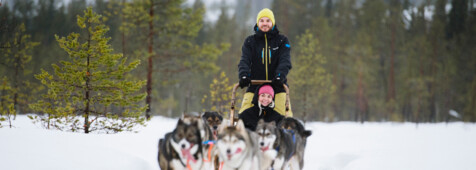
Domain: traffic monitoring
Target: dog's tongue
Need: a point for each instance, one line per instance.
(236, 152)
(264, 148)
(215, 134)
(186, 153)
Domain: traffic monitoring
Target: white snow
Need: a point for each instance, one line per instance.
(332, 146)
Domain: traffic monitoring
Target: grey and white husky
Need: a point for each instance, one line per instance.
(181, 148)
(300, 136)
(277, 145)
(238, 148)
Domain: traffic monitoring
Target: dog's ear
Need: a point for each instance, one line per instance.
(195, 123)
(307, 133)
(223, 125)
(273, 123)
(180, 121)
(260, 122)
(220, 116)
(241, 129)
(240, 126)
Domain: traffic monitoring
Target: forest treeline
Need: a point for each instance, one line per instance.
(353, 60)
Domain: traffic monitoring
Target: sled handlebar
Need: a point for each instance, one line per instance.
(234, 117)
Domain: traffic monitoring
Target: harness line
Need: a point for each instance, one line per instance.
(188, 164)
(209, 153)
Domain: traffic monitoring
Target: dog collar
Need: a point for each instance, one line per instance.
(208, 142)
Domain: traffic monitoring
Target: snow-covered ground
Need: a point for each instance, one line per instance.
(333, 146)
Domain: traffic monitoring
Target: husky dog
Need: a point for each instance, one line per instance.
(207, 139)
(237, 147)
(300, 136)
(205, 131)
(296, 125)
(278, 145)
(181, 148)
(213, 120)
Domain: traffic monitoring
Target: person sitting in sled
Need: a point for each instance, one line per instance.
(263, 108)
(265, 56)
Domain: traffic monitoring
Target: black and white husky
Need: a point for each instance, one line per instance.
(181, 148)
(278, 146)
(300, 136)
(238, 148)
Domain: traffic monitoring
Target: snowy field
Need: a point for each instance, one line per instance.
(333, 146)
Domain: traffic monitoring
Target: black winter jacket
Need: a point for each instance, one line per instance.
(251, 115)
(264, 56)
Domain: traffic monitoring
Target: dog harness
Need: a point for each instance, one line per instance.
(188, 161)
(294, 141)
(188, 165)
(209, 153)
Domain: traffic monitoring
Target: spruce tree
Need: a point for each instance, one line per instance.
(89, 91)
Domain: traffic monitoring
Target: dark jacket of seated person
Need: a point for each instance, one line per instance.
(263, 105)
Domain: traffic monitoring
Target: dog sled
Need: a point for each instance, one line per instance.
(284, 151)
(234, 117)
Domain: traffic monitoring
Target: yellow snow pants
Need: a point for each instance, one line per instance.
(279, 103)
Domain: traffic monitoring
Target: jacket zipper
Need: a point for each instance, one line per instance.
(262, 56)
(266, 56)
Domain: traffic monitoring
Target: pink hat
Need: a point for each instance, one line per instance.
(266, 89)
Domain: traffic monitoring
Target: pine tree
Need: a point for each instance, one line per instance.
(414, 94)
(469, 64)
(91, 84)
(165, 32)
(340, 20)
(221, 34)
(457, 18)
(363, 84)
(16, 54)
(308, 92)
(293, 16)
(220, 95)
(439, 64)
(7, 109)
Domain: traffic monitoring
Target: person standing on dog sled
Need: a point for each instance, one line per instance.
(265, 56)
(263, 108)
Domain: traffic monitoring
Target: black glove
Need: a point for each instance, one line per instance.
(245, 81)
(277, 81)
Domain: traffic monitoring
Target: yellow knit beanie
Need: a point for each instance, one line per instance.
(265, 13)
